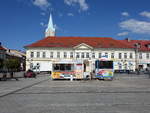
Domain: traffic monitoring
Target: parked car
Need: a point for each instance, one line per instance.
(30, 74)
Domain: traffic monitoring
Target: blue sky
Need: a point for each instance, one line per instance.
(24, 21)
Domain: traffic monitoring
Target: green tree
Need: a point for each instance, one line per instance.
(1, 63)
(12, 64)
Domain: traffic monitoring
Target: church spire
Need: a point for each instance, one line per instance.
(50, 30)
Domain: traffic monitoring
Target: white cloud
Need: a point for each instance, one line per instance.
(43, 13)
(70, 14)
(43, 25)
(60, 14)
(125, 14)
(145, 14)
(43, 4)
(82, 3)
(56, 27)
(88, 13)
(136, 26)
(123, 34)
(143, 38)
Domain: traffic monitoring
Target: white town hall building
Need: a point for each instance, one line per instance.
(126, 54)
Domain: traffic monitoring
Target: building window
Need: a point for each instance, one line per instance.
(32, 54)
(82, 55)
(51, 54)
(140, 56)
(106, 54)
(38, 54)
(147, 55)
(100, 55)
(120, 55)
(131, 55)
(112, 55)
(93, 55)
(77, 55)
(31, 66)
(125, 55)
(58, 54)
(2, 56)
(65, 54)
(71, 54)
(87, 55)
(44, 54)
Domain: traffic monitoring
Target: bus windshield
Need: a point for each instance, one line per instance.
(104, 64)
(63, 67)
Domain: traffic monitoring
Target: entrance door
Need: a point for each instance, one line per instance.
(86, 68)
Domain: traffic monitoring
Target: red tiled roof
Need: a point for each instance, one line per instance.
(143, 44)
(65, 42)
(1, 48)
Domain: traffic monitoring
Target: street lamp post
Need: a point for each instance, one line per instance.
(136, 55)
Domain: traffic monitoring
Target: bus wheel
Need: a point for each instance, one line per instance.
(110, 79)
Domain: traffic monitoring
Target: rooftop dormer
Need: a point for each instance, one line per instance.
(137, 45)
(147, 46)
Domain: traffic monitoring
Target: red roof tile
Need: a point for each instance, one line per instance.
(143, 44)
(65, 42)
(1, 48)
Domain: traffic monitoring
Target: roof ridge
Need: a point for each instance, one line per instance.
(69, 42)
(75, 37)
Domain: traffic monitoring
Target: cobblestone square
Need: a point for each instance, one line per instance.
(125, 94)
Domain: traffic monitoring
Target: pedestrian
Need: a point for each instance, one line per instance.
(5, 75)
(138, 71)
(128, 71)
(148, 70)
(92, 74)
(50, 72)
(11, 74)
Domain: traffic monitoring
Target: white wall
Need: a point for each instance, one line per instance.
(144, 61)
(46, 63)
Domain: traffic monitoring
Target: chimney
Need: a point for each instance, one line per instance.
(0, 43)
(127, 39)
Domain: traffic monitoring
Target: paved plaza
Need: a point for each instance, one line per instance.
(125, 94)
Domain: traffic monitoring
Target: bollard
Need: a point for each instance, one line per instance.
(71, 77)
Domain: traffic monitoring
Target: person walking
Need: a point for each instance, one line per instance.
(148, 70)
(137, 71)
